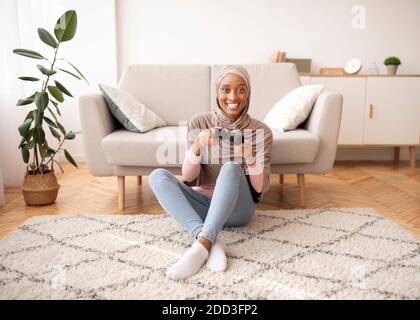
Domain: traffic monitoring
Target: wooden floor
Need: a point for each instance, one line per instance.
(391, 189)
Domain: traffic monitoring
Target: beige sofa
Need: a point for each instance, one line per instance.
(176, 93)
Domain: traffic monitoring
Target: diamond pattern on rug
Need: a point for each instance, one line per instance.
(333, 253)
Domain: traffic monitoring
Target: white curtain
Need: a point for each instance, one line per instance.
(12, 89)
(93, 51)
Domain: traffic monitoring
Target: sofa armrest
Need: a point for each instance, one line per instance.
(324, 121)
(97, 122)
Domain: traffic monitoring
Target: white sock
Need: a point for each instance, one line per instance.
(217, 260)
(190, 262)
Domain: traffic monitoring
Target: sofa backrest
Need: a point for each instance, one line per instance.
(269, 83)
(175, 92)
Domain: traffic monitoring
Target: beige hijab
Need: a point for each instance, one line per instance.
(244, 119)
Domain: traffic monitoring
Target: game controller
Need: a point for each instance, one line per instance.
(232, 136)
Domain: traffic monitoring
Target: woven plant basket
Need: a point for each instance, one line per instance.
(40, 189)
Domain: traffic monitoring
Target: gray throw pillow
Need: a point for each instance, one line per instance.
(132, 114)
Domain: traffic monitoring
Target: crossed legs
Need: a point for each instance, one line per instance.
(202, 217)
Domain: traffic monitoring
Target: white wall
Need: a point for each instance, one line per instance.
(237, 31)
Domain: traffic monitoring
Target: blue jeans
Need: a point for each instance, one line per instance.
(231, 205)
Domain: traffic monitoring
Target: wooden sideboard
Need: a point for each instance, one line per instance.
(378, 110)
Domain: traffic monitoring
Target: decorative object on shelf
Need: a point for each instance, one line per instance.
(332, 71)
(302, 65)
(374, 70)
(353, 66)
(40, 185)
(392, 64)
(279, 56)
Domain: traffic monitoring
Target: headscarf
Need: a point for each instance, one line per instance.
(244, 119)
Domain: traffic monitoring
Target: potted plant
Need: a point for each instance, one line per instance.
(40, 185)
(392, 64)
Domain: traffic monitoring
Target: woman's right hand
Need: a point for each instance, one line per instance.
(203, 139)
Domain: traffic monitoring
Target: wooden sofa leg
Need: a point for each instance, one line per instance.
(396, 154)
(121, 192)
(301, 183)
(281, 178)
(139, 182)
(412, 151)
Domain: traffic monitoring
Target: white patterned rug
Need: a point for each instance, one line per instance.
(297, 254)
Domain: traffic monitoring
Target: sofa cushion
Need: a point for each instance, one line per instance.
(130, 112)
(293, 109)
(159, 147)
(174, 92)
(296, 146)
(165, 147)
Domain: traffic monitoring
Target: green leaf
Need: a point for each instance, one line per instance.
(56, 93)
(47, 72)
(50, 122)
(70, 136)
(28, 78)
(22, 142)
(52, 113)
(55, 133)
(62, 88)
(39, 135)
(38, 116)
(24, 127)
(50, 152)
(70, 158)
(71, 73)
(62, 171)
(77, 70)
(32, 143)
(25, 153)
(41, 100)
(26, 138)
(28, 53)
(47, 38)
(29, 134)
(66, 26)
(56, 107)
(22, 102)
(60, 126)
(42, 150)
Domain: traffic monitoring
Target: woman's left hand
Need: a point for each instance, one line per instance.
(245, 150)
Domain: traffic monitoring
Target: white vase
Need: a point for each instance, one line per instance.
(391, 70)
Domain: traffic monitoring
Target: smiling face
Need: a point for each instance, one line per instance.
(232, 95)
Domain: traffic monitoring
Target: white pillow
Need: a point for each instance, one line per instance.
(293, 109)
(132, 114)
